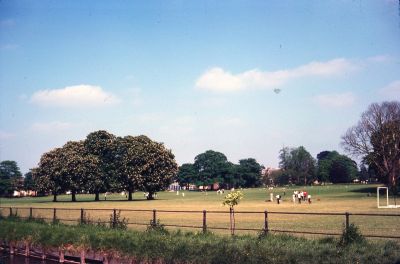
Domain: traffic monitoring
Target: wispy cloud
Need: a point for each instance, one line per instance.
(392, 90)
(335, 100)
(219, 80)
(379, 59)
(51, 126)
(74, 96)
(5, 135)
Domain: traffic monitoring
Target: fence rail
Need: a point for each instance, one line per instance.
(153, 217)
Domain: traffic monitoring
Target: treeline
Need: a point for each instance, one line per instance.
(105, 163)
(297, 166)
(11, 178)
(213, 167)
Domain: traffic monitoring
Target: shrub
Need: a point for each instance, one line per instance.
(351, 235)
(157, 227)
(117, 221)
(85, 219)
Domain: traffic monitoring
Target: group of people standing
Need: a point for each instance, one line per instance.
(297, 197)
(300, 196)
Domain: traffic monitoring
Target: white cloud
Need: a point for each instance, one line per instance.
(6, 135)
(379, 58)
(74, 96)
(51, 127)
(335, 100)
(392, 90)
(218, 80)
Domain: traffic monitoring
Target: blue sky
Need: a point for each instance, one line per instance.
(196, 75)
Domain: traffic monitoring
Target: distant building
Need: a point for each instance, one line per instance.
(174, 186)
(267, 175)
(24, 193)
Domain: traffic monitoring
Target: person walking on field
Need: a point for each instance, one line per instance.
(278, 199)
(309, 199)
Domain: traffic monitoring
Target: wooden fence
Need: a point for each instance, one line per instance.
(260, 221)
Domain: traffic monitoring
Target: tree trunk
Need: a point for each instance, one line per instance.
(73, 199)
(232, 220)
(129, 195)
(97, 196)
(393, 184)
(55, 197)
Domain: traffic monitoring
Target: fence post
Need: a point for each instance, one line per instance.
(30, 213)
(266, 222)
(82, 216)
(204, 221)
(347, 221)
(54, 215)
(114, 223)
(154, 223)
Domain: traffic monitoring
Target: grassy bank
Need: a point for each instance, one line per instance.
(177, 247)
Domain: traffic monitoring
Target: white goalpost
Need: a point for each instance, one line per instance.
(386, 198)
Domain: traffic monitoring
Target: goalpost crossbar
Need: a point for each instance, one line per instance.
(387, 199)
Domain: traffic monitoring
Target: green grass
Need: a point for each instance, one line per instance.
(178, 247)
(331, 198)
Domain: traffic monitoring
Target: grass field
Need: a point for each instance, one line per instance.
(331, 198)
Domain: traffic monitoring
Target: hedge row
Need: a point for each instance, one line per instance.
(163, 247)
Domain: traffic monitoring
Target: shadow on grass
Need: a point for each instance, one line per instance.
(366, 190)
(100, 201)
(371, 191)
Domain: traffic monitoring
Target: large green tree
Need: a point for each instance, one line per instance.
(157, 165)
(186, 174)
(212, 167)
(336, 168)
(10, 177)
(102, 145)
(29, 184)
(81, 170)
(297, 164)
(49, 176)
(376, 139)
(129, 163)
(249, 171)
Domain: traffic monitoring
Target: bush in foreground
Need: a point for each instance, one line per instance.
(177, 247)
